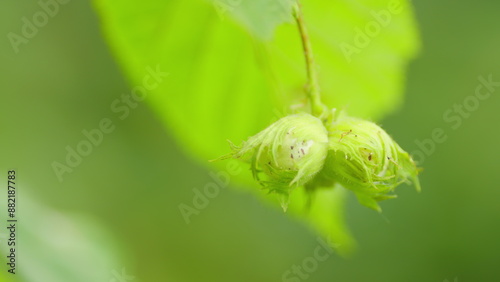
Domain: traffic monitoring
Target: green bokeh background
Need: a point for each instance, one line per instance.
(130, 186)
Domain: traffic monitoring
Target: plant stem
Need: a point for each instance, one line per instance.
(313, 91)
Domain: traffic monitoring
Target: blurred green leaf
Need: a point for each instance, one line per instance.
(224, 83)
(325, 213)
(260, 17)
(55, 246)
(361, 50)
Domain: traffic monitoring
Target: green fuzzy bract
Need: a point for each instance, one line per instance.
(365, 159)
(289, 153)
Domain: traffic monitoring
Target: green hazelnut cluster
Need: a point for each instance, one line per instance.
(303, 150)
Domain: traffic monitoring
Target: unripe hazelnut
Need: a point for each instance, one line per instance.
(288, 153)
(365, 159)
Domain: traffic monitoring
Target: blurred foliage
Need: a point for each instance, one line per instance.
(64, 80)
(63, 247)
